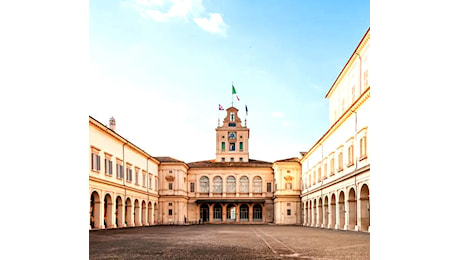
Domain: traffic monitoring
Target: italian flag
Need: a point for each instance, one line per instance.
(234, 92)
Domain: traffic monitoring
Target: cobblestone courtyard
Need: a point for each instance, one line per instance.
(227, 242)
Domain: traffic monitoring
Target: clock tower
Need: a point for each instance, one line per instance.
(232, 139)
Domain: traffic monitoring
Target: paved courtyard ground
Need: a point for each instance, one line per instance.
(228, 242)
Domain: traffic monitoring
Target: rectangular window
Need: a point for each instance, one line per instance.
(95, 162)
(170, 212)
(309, 180)
(331, 166)
(150, 182)
(129, 174)
(289, 186)
(143, 179)
(241, 146)
(170, 186)
(288, 212)
(232, 147)
(108, 166)
(156, 183)
(340, 166)
(319, 174)
(269, 187)
(241, 159)
(276, 186)
(350, 155)
(223, 159)
(325, 171)
(223, 146)
(192, 187)
(119, 171)
(170, 204)
(363, 147)
(137, 177)
(231, 159)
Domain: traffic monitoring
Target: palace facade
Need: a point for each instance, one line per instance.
(326, 187)
(336, 170)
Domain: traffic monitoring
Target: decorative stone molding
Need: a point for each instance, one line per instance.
(288, 178)
(169, 178)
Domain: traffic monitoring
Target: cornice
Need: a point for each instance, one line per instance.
(121, 186)
(350, 61)
(352, 109)
(113, 134)
(340, 179)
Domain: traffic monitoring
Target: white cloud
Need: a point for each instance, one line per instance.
(278, 114)
(156, 15)
(165, 10)
(214, 24)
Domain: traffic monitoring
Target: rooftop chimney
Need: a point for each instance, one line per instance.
(112, 123)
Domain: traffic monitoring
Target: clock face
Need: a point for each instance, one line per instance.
(232, 135)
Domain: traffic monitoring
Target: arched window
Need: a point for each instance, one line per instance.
(204, 184)
(244, 184)
(231, 184)
(257, 183)
(217, 184)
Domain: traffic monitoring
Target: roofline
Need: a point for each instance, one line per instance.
(361, 99)
(119, 137)
(339, 77)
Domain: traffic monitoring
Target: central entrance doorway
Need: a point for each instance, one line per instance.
(204, 213)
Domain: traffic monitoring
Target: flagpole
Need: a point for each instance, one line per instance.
(232, 93)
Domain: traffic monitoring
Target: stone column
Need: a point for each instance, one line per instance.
(121, 215)
(211, 213)
(237, 213)
(250, 213)
(98, 215)
(224, 213)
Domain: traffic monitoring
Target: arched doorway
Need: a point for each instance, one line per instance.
(257, 213)
(217, 213)
(352, 220)
(333, 211)
(108, 212)
(144, 213)
(119, 212)
(95, 211)
(326, 212)
(244, 212)
(341, 223)
(204, 213)
(365, 216)
(231, 213)
(128, 213)
(137, 213)
(150, 211)
(320, 213)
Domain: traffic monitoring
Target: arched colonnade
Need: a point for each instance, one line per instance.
(345, 209)
(114, 211)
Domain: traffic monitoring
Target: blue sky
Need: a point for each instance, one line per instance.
(162, 67)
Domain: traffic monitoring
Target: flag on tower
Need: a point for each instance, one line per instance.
(246, 109)
(221, 107)
(234, 92)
